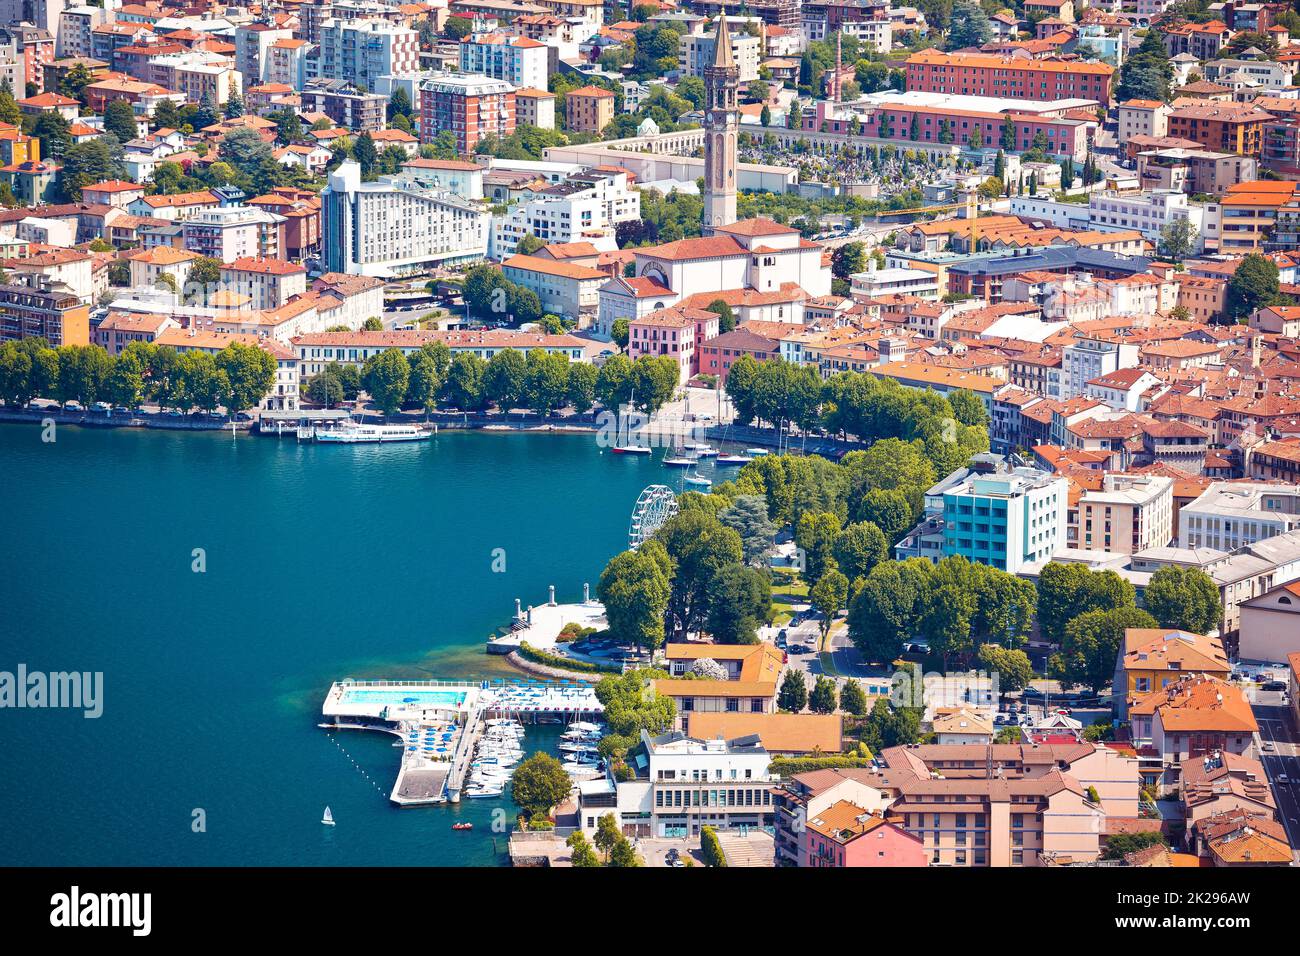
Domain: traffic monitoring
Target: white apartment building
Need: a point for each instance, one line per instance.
(252, 43)
(1006, 520)
(565, 289)
(1147, 212)
(397, 225)
(75, 26)
(684, 785)
(197, 75)
(875, 283)
(583, 208)
(878, 34)
(1232, 515)
(361, 51)
(519, 61)
(268, 283)
(696, 53)
(228, 233)
(1130, 513)
(1086, 359)
(1143, 118)
(1252, 74)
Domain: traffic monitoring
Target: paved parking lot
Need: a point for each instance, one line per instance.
(655, 851)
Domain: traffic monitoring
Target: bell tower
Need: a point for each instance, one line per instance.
(722, 127)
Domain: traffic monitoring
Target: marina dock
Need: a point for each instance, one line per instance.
(439, 723)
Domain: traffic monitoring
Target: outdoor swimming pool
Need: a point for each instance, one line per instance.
(397, 695)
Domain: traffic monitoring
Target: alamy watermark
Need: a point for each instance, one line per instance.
(631, 426)
(73, 690)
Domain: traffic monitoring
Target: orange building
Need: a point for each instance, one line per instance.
(588, 109)
(1225, 127)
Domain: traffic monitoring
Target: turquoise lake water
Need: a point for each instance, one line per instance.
(322, 562)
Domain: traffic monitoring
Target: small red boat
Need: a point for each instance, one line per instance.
(462, 826)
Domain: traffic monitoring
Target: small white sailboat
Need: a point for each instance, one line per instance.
(328, 818)
(629, 447)
(734, 459)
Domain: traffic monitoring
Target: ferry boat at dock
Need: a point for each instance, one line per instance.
(354, 434)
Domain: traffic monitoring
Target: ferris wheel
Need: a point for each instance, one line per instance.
(655, 506)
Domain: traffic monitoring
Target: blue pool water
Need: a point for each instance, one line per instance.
(422, 698)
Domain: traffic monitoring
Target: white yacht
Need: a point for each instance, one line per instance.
(354, 434)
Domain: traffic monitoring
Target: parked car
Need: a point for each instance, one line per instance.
(1282, 779)
(1267, 746)
(1274, 685)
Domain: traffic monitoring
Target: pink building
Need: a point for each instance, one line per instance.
(846, 835)
(675, 332)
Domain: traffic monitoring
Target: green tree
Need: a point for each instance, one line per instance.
(887, 607)
(324, 389)
(710, 848)
(528, 244)
(1013, 667)
(90, 162)
(607, 833)
(463, 387)
(547, 381)
(1253, 286)
(968, 408)
(740, 599)
(793, 696)
(119, 119)
(385, 377)
(699, 546)
(828, 596)
(619, 332)
(635, 589)
(1185, 598)
(859, 548)
(1120, 845)
(853, 699)
(823, 699)
(886, 508)
(1091, 644)
(815, 534)
(504, 379)
(425, 383)
(250, 375)
(968, 26)
(624, 854)
(726, 317)
(747, 516)
(1066, 591)
(538, 784)
(1178, 239)
(54, 133)
(580, 852)
(582, 386)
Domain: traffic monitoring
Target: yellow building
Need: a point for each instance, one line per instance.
(1152, 658)
(17, 147)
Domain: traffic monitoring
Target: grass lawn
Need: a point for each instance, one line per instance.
(781, 617)
(789, 585)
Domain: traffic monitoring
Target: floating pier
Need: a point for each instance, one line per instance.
(438, 723)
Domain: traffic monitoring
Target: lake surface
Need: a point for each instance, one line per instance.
(322, 562)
